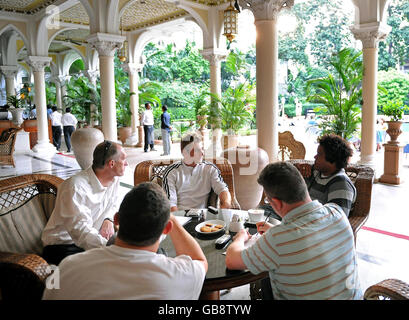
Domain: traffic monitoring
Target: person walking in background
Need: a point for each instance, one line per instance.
(147, 122)
(165, 129)
(56, 127)
(69, 123)
(33, 113)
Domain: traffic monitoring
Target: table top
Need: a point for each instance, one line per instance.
(218, 276)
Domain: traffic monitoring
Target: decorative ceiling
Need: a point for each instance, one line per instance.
(136, 15)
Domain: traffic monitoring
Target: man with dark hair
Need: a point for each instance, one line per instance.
(147, 122)
(69, 123)
(311, 254)
(165, 129)
(131, 268)
(82, 218)
(328, 181)
(188, 182)
(56, 127)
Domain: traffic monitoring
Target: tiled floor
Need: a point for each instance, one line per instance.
(382, 244)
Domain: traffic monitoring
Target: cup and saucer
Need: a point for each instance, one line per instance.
(254, 216)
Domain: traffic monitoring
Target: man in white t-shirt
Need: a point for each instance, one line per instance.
(147, 122)
(131, 268)
(56, 127)
(69, 123)
(188, 182)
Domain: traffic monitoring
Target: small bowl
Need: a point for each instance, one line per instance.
(255, 215)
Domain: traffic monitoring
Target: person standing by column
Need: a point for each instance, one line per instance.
(69, 123)
(56, 127)
(147, 121)
(165, 128)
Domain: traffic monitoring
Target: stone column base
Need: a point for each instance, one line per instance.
(392, 164)
(45, 149)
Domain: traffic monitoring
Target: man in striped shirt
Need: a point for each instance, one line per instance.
(328, 181)
(311, 254)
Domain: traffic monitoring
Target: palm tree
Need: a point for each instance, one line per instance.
(340, 94)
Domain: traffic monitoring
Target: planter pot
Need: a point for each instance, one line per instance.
(83, 142)
(230, 141)
(17, 114)
(247, 163)
(394, 131)
(124, 133)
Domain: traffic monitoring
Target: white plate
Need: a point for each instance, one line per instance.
(213, 222)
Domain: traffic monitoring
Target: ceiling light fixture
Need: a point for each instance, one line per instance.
(230, 22)
(123, 51)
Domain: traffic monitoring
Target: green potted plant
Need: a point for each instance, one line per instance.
(236, 111)
(16, 109)
(394, 110)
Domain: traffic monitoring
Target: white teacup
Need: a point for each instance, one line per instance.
(256, 215)
(236, 226)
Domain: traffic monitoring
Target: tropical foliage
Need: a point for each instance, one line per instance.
(80, 95)
(340, 93)
(396, 85)
(394, 110)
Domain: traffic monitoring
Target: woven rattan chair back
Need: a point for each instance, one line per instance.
(22, 275)
(153, 170)
(289, 148)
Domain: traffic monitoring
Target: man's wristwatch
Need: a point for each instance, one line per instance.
(109, 219)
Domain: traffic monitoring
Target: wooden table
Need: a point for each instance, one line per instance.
(218, 277)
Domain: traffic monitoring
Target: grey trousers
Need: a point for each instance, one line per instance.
(166, 141)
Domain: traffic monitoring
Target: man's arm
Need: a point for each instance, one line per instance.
(225, 200)
(185, 244)
(169, 185)
(234, 260)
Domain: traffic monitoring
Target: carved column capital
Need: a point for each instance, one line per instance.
(266, 9)
(38, 63)
(9, 71)
(132, 68)
(106, 44)
(213, 56)
(92, 75)
(370, 34)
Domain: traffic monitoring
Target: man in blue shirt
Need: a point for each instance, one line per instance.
(165, 128)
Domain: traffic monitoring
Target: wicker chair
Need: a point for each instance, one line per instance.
(390, 289)
(289, 148)
(26, 203)
(363, 178)
(7, 143)
(152, 170)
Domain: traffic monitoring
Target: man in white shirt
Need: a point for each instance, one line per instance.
(188, 183)
(86, 203)
(56, 127)
(69, 123)
(147, 122)
(131, 268)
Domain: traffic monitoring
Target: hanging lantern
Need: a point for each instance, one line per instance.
(123, 52)
(230, 22)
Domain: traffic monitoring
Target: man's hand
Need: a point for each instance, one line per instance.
(263, 226)
(107, 229)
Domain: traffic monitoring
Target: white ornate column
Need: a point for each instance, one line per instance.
(265, 18)
(133, 69)
(370, 34)
(106, 45)
(215, 57)
(43, 146)
(92, 75)
(10, 73)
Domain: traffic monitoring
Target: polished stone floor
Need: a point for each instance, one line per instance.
(382, 244)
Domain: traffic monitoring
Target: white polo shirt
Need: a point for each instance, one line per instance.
(122, 273)
(56, 119)
(147, 119)
(189, 187)
(68, 119)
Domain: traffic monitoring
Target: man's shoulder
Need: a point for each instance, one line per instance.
(173, 167)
